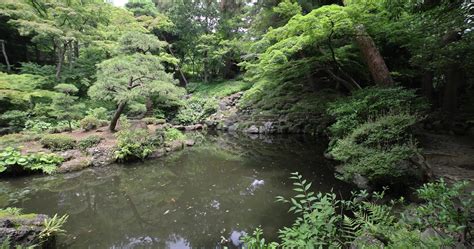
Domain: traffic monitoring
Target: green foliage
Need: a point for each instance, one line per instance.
(53, 226)
(15, 119)
(89, 142)
(133, 144)
(37, 126)
(173, 134)
(90, 122)
(372, 135)
(218, 89)
(100, 113)
(11, 160)
(325, 222)
(368, 103)
(196, 110)
(58, 142)
(15, 138)
(255, 241)
(152, 120)
(317, 221)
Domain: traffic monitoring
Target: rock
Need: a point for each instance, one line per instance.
(361, 181)
(429, 233)
(252, 130)
(75, 164)
(180, 127)
(70, 154)
(24, 230)
(174, 146)
(157, 154)
(365, 241)
(189, 142)
(138, 124)
(101, 156)
(233, 127)
(194, 127)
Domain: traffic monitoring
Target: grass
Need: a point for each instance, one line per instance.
(218, 89)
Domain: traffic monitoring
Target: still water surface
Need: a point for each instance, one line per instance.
(223, 187)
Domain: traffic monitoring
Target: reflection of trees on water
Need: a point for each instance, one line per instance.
(193, 197)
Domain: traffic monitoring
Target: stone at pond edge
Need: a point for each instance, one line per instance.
(189, 142)
(75, 164)
(174, 146)
(24, 230)
(157, 154)
(252, 130)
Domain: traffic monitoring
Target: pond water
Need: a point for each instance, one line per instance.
(222, 187)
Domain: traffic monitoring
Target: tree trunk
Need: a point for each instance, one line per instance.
(60, 61)
(454, 79)
(427, 85)
(377, 67)
(115, 118)
(149, 107)
(4, 51)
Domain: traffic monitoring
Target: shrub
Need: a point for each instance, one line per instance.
(352, 111)
(11, 160)
(89, 123)
(173, 134)
(133, 144)
(364, 222)
(15, 119)
(58, 142)
(196, 110)
(99, 113)
(372, 135)
(152, 120)
(37, 126)
(89, 142)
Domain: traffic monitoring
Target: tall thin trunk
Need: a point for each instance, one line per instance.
(4, 51)
(377, 67)
(60, 60)
(115, 118)
(454, 79)
(427, 85)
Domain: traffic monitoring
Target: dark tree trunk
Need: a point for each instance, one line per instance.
(377, 67)
(427, 85)
(4, 52)
(115, 118)
(60, 60)
(149, 107)
(454, 79)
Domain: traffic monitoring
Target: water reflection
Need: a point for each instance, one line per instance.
(213, 192)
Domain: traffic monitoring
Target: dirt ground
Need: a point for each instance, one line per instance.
(449, 156)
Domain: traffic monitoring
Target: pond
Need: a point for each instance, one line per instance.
(221, 188)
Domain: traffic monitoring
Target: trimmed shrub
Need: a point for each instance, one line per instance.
(89, 123)
(58, 142)
(173, 134)
(89, 142)
(133, 144)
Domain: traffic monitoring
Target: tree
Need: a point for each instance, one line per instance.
(64, 104)
(57, 25)
(128, 78)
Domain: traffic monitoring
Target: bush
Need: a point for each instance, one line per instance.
(152, 120)
(372, 135)
(364, 222)
(89, 142)
(37, 126)
(58, 142)
(196, 110)
(133, 144)
(90, 122)
(12, 161)
(99, 113)
(350, 112)
(173, 134)
(15, 119)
